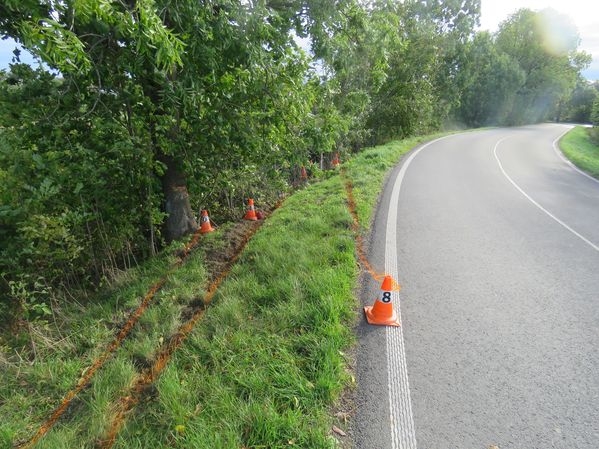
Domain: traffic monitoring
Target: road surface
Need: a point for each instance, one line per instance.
(495, 241)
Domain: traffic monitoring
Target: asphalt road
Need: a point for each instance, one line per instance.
(495, 241)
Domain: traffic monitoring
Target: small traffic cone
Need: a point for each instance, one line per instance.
(205, 225)
(382, 312)
(303, 174)
(251, 213)
(335, 162)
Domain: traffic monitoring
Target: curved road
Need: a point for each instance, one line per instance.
(495, 241)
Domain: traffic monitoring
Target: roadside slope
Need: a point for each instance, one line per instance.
(263, 364)
(578, 147)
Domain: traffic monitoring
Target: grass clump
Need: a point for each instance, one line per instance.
(578, 146)
(33, 383)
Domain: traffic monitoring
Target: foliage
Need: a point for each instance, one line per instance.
(484, 66)
(418, 89)
(525, 73)
(578, 107)
(548, 59)
(133, 116)
(62, 167)
(595, 113)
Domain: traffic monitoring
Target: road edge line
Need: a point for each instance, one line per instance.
(529, 198)
(403, 435)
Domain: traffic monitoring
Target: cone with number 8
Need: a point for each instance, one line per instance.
(381, 312)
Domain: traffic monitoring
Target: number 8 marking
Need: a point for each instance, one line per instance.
(387, 297)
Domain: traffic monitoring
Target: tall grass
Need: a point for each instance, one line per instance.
(267, 360)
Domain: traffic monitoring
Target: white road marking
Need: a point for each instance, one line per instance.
(403, 435)
(563, 158)
(529, 198)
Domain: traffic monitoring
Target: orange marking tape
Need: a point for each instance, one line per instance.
(150, 375)
(351, 204)
(84, 381)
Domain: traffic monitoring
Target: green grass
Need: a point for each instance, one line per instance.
(261, 369)
(578, 147)
(30, 391)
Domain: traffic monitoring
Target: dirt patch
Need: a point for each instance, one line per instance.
(217, 258)
(218, 261)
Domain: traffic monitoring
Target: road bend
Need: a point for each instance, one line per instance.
(494, 238)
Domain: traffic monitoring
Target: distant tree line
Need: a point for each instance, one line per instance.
(145, 111)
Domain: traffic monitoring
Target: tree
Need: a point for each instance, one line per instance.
(154, 108)
(578, 107)
(199, 76)
(595, 113)
(420, 87)
(489, 81)
(548, 59)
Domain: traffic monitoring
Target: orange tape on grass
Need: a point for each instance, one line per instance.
(150, 375)
(351, 205)
(85, 380)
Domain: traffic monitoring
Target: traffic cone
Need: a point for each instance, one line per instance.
(382, 312)
(205, 225)
(303, 174)
(251, 213)
(335, 162)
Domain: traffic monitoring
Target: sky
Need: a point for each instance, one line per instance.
(584, 14)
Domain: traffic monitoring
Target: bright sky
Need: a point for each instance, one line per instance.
(584, 14)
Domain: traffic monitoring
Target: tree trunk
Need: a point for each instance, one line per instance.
(180, 220)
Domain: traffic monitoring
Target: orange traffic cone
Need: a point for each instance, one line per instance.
(251, 213)
(205, 225)
(382, 312)
(335, 162)
(303, 174)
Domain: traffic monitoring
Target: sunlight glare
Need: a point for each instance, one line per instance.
(559, 32)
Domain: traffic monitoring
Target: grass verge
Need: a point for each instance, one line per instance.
(262, 367)
(578, 147)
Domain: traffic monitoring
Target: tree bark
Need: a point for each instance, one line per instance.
(180, 220)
